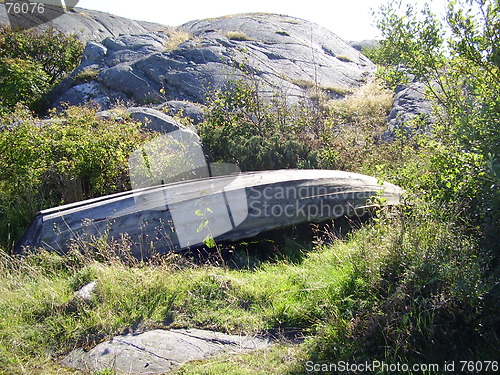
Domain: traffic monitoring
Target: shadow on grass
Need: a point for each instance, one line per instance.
(289, 244)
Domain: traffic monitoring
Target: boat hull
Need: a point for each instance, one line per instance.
(186, 214)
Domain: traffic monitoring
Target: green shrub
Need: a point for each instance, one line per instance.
(86, 75)
(56, 52)
(73, 156)
(31, 63)
(244, 129)
(175, 38)
(353, 126)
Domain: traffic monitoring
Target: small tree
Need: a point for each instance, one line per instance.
(31, 63)
(459, 61)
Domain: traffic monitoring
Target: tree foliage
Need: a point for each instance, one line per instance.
(31, 63)
(458, 60)
(73, 156)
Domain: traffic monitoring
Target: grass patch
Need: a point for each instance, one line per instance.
(279, 359)
(75, 156)
(238, 36)
(344, 58)
(282, 33)
(176, 38)
(339, 91)
(420, 289)
(86, 75)
(368, 104)
(304, 83)
(409, 272)
(352, 129)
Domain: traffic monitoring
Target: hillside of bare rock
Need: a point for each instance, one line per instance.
(279, 53)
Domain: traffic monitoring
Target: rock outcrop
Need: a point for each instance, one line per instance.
(88, 24)
(159, 351)
(411, 110)
(281, 53)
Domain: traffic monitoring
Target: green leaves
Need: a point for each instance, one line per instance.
(256, 133)
(72, 157)
(412, 42)
(21, 81)
(32, 63)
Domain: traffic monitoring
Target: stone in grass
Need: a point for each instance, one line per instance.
(159, 351)
(87, 292)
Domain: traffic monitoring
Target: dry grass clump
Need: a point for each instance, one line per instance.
(238, 35)
(368, 106)
(86, 75)
(176, 38)
(344, 58)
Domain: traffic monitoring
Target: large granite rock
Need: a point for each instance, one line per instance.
(279, 52)
(159, 122)
(411, 110)
(159, 351)
(88, 24)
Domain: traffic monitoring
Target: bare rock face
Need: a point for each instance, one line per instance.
(279, 52)
(87, 24)
(159, 351)
(411, 110)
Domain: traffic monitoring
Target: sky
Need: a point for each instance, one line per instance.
(349, 19)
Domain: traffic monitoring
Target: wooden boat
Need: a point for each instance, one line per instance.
(186, 214)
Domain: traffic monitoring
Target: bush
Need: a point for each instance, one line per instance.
(257, 133)
(31, 63)
(73, 156)
(244, 129)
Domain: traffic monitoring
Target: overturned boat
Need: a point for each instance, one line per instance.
(187, 214)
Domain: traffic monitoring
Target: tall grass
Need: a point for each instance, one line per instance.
(175, 38)
(40, 317)
(395, 290)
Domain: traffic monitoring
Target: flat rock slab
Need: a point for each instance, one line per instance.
(159, 351)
